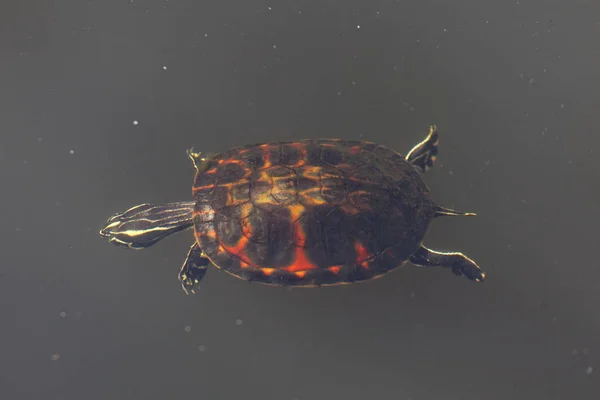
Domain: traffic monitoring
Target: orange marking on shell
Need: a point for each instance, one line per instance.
(233, 161)
(361, 252)
(301, 263)
(246, 228)
(302, 150)
(335, 269)
(354, 149)
(267, 162)
(199, 188)
(348, 209)
(364, 264)
(238, 248)
(267, 271)
(300, 274)
(211, 234)
(244, 265)
(238, 251)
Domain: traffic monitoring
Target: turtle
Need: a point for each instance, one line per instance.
(306, 213)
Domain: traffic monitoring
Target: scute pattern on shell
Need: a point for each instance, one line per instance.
(311, 212)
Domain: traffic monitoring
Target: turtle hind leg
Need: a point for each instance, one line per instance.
(423, 155)
(448, 212)
(460, 264)
(193, 269)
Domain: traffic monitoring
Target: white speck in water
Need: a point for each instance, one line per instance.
(206, 35)
(136, 122)
(18, 229)
(445, 30)
(357, 26)
(339, 93)
(71, 151)
(63, 314)
(202, 348)
(562, 106)
(589, 370)
(269, 8)
(451, 172)
(187, 328)
(55, 357)
(239, 322)
(274, 46)
(39, 139)
(164, 67)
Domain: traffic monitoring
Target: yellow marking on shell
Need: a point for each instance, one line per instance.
(296, 211)
(265, 199)
(300, 274)
(267, 271)
(312, 172)
(312, 196)
(246, 209)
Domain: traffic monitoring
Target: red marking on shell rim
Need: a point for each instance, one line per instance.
(335, 269)
(361, 252)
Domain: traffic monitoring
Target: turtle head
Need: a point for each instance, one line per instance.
(201, 161)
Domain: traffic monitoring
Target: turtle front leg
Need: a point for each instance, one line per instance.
(460, 264)
(423, 155)
(193, 269)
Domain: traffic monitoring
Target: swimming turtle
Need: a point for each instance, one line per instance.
(305, 213)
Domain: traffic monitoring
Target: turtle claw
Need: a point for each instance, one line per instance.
(470, 271)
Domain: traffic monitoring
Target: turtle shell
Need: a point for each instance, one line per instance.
(311, 212)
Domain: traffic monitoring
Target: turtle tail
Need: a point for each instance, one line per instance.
(448, 212)
(145, 224)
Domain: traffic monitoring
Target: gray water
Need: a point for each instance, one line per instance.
(100, 99)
